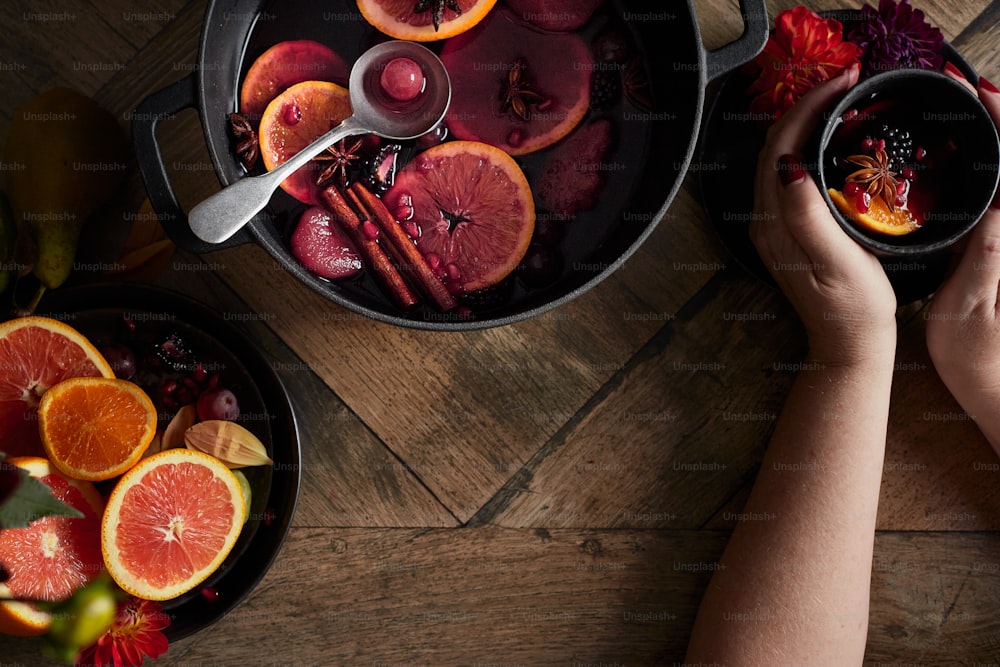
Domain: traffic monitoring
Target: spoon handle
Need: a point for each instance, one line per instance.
(223, 214)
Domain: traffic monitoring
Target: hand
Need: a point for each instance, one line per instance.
(837, 287)
(963, 321)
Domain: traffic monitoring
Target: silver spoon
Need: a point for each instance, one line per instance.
(223, 214)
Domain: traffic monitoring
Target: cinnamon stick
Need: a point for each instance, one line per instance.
(409, 259)
(374, 257)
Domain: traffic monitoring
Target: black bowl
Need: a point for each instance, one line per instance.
(938, 105)
(98, 311)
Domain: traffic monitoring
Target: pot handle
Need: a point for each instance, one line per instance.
(162, 104)
(756, 29)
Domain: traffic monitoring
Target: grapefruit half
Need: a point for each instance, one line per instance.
(36, 353)
(53, 556)
(170, 523)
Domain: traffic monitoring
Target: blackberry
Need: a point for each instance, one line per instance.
(898, 146)
(605, 89)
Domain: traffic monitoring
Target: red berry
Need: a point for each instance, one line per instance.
(863, 201)
(370, 230)
(880, 145)
(920, 153)
(852, 188)
(291, 114)
(402, 79)
(867, 145)
(218, 403)
(210, 594)
(908, 173)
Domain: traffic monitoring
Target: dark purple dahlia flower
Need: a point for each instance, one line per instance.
(896, 36)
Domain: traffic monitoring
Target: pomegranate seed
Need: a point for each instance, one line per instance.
(129, 324)
(867, 145)
(544, 104)
(920, 153)
(863, 202)
(370, 230)
(909, 174)
(199, 372)
(210, 594)
(433, 260)
(900, 200)
(515, 138)
(880, 145)
(213, 381)
(851, 188)
(411, 229)
(405, 199)
(403, 212)
(291, 114)
(454, 273)
(849, 115)
(169, 387)
(900, 187)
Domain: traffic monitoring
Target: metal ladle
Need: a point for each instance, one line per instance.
(223, 214)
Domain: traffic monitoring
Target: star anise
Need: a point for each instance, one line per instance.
(244, 140)
(437, 8)
(517, 91)
(340, 156)
(875, 176)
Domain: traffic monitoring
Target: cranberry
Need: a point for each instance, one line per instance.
(402, 79)
(370, 230)
(291, 114)
(219, 403)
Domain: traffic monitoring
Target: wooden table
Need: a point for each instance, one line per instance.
(555, 492)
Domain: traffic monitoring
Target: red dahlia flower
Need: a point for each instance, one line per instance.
(804, 50)
(896, 36)
(136, 631)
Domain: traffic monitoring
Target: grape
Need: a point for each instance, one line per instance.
(218, 403)
(402, 79)
(121, 359)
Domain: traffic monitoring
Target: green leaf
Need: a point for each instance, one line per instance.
(32, 500)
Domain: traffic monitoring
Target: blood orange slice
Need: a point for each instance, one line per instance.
(878, 217)
(514, 86)
(292, 121)
(53, 556)
(424, 20)
(36, 353)
(286, 64)
(96, 428)
(473, 209)
(170, 523)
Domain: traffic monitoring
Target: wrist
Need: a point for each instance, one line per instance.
(875, 347)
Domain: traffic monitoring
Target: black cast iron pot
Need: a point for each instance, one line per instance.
(679, 68)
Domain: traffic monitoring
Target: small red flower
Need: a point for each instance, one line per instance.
(137, 630)
(804, 50)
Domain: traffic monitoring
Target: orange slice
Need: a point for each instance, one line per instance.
(96, 428)
(878, 218)
(36, 353)
(292, 121)
(52, 557)
(398, 19)
(170, 523)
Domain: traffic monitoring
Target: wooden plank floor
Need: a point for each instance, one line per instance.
(558, 491)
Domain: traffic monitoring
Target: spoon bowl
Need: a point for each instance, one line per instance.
(226, 212)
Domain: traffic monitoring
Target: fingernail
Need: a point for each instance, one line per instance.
(951, 69)
(987, 85)
(790, 169)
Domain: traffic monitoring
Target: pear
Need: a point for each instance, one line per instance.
(65, 157)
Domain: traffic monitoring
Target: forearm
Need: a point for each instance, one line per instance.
(793, 586)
